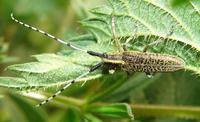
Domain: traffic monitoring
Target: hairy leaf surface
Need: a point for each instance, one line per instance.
(146, 21)
(141, 21)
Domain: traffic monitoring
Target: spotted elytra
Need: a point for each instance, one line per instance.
(129, 61)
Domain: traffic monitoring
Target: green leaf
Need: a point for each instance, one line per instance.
(131, 18)
(13, 82)
(57, 69)
(148, 20)
(92, 118)
(51, 69)
(117, 110)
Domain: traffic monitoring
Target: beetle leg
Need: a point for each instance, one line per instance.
(125, 47)
(129, 73)
(152, 44)
(150, 74)
(158, 41)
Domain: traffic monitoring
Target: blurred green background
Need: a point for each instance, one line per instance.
(172, 97)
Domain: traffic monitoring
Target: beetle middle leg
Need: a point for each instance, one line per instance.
(129, 39)
(158, 41)
(125, 45)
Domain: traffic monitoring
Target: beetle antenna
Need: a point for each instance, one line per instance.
(101, 55)
(92, 69)
(46, 34)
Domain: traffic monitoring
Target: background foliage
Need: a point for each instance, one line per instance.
(167, 97)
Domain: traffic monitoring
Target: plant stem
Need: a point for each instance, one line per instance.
(140, 110)
(185, 112)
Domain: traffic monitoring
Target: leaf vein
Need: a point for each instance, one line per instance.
(135, 18)
(195, 7)
(181, 23)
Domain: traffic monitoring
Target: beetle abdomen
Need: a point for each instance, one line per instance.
(150, 62)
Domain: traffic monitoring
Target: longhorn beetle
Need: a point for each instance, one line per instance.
(129, 61)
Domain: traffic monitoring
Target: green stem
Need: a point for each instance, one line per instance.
(140, 110)
(185, 112)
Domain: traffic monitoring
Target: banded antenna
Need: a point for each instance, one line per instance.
(57, 39)
(92, 53)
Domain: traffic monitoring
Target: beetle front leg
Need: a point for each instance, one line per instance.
(113, 29)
